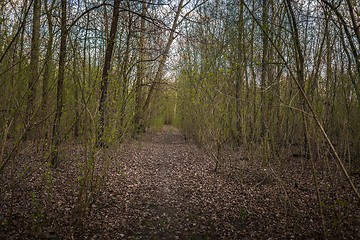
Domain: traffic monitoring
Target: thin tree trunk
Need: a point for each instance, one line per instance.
(239, 75)
(299, 68)
(125, 75)
(76, 82)
(159, 72)
(138, 118)
(34, 63)
(253, 132)
(105, 74)
(48, 64)
(264, 67)
(60, 89)
(19, 51)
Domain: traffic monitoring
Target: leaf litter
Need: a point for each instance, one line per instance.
(164, 187)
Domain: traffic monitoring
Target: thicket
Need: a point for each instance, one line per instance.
(252, 71)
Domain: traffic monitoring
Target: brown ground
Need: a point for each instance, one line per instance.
(163, 187)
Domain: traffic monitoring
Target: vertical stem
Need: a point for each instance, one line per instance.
(60, 88)
(105, 74)
(138, 118)
(34, 62)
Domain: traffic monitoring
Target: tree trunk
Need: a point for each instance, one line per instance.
(105, 74)
(139, 126)
(264, 67)
(159, 72)
(76, 82)
(34, 63)
(60, 88)
(240, 74)
(125, 75)
(299, 68)
(48, 65)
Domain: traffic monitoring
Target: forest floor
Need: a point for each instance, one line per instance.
(162, 186)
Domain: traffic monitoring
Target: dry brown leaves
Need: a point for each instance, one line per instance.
(163, 187)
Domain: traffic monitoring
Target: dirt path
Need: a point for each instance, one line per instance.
(168, 190)
(163, 187)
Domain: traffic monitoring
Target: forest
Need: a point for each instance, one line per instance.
(186, 119)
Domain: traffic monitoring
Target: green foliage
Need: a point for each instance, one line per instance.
(157, 123)
(164, 109)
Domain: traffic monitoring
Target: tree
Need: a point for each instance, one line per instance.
(47, 76)
(56, 137)
(105, 74)
(139, 124)
(240, 70)
(34, 61)
(164, 56)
